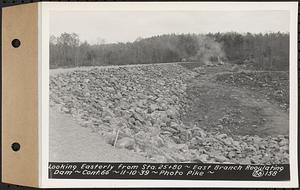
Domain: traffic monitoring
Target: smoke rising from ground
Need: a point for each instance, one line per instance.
(209, 51)
(260, 51)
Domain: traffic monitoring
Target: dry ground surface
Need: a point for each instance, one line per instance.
(169, 113)
(71, 142)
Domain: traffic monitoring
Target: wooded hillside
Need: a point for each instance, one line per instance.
(261, 51)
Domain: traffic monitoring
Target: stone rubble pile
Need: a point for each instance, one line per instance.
(140, 109)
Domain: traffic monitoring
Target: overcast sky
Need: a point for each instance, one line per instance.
(124, 26)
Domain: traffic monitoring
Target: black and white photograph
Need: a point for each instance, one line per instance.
(170, 86)
(206, 87)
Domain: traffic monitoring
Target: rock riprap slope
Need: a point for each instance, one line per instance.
(141, 109)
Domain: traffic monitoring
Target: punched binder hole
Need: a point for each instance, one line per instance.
(16, 43)
(15, 146)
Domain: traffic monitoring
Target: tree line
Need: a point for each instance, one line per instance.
(262, 51)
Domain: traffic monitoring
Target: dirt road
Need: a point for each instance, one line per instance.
(233, 110)
(213, 107)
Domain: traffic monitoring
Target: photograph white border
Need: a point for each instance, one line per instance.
(44, 15)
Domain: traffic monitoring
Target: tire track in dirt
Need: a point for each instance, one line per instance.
(204, 93)
(276, 120)
(262, 117)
